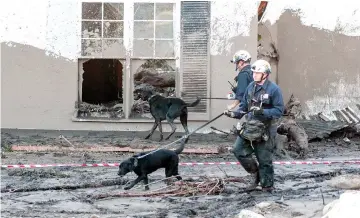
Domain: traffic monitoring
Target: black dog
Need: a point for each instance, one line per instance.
(162, 158)
(164, 108)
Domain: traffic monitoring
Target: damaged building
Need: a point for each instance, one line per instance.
(76, 64)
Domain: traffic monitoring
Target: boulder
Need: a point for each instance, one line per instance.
(249, 214)
(348, 205)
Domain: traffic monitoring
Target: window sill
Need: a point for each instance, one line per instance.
(74, 118)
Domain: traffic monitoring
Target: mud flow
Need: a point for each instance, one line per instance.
(206, 191)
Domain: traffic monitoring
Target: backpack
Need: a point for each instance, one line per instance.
(253, 130)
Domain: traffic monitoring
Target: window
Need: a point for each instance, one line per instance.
(154, 57)
(153, 44)
(102, 30)
(153, 30)
(101, 68)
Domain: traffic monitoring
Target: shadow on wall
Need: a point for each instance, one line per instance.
(319, 67)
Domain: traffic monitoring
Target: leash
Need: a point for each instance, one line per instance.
(183, 137)
(218, 98)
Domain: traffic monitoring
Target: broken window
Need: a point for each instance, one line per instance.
(101, 89)
(153, 30)
(102, 30)
(156, 76)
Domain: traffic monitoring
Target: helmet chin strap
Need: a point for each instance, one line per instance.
(262, 78)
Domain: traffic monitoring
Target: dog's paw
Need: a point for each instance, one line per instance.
(147, 188)
(127, 187)
(147, 137)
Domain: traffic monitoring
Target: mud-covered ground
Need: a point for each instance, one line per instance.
(300, 189)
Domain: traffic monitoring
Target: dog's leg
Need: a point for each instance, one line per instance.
(168, 173)
(161, 132)
(152, 130)
(183, 120)
(146, 182)
(172, 125)
(176, 173)
(133, 183)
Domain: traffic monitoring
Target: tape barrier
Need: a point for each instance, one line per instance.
(181, 164)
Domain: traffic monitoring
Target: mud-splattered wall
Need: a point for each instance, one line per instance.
(319, 48)
(40, 44)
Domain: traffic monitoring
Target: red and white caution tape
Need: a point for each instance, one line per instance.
(181, 164)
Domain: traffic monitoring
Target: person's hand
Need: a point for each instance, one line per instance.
(229, 107)
(257, 111)
(229, 113)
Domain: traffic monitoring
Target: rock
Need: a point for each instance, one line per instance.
(345, 182)
(348, 205)
(357, 128)
(347, 140)
(249, 214)
(329, 206)
(296, 213)
(263, 205)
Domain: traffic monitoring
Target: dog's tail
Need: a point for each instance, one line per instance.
(194, 103)
(181, 147)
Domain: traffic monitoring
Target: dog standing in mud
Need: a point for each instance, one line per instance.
(164, 108)
(142, 167)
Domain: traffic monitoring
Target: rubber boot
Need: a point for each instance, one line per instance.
(254, 181)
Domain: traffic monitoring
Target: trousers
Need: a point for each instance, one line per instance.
(263, 150)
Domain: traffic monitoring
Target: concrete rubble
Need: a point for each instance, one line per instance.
(348, 205)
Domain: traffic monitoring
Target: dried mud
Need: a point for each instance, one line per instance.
(66, 192)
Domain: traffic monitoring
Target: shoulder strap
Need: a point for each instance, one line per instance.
(251, 96)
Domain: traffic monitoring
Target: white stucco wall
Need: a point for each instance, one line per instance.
(327, 15)
(333, 16)
(230, 19)
(54, 27)
(52, 24)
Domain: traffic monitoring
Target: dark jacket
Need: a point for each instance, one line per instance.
(273, 103)
(244, 78)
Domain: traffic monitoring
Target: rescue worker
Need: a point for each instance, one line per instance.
(242, 60)
(263, 105)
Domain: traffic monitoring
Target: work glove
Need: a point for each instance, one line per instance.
(257, 111)
(229, 113)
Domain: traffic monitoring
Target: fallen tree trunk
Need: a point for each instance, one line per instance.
(297, 136)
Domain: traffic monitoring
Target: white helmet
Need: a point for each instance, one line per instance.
(241, 55)
(261, 66)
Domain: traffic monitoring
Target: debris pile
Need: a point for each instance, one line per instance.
(301, 129)
(111, 110)
(317, 129)
(209, 186)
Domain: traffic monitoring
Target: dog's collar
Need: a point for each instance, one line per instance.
(151, 97)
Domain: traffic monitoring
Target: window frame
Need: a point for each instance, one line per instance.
(102, 38)
(128, 42)
(154, 39)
